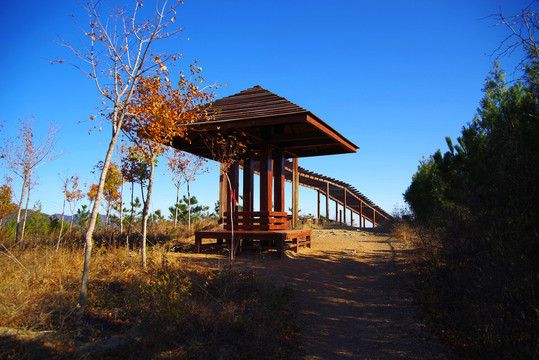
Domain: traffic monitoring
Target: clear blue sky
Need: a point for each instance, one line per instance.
(394, 77)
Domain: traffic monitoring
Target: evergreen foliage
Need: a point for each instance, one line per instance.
(479, 203)
(197, 211)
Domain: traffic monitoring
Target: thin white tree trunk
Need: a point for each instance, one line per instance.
(25, 214)
(61, 221)
(23, 193)
(122, 207)
(176, 206)
(132, 216)
(83, 296)
(145, 212)
(188, 207)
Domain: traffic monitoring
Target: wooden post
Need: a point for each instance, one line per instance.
(344, 206)
(327, 201)
(295, 190)
(361, 218)
(248, 184)
(373, 218)
(266, 177)
(351, 218)
(278, 181)
(340, 216)
(336, 211)
(318, 207)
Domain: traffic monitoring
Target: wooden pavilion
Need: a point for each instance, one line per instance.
(271, 129)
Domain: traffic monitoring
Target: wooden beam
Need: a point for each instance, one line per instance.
(278, 181)
(295, 192)
(345, 143)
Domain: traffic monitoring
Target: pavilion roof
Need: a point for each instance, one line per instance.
(261, 117)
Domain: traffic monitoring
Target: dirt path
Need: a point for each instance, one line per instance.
(351, 299)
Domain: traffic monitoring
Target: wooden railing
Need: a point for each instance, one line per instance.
(257, 220)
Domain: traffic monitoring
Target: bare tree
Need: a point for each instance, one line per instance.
(25, 156)
(65, 183)
(521, 36)
(73, 197)
(184, 167)
(118, 53)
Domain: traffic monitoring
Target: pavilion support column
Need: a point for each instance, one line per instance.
(223, 191)
(266, 178)
(278, 181)
(248, 184)
(336, 210)
(344, 206)
(373, 218)
(233, 190)
(295, 192)
(327, 201)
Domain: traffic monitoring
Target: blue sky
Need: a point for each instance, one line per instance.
(394, 77)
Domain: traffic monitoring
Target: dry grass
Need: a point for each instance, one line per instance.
(172, 310)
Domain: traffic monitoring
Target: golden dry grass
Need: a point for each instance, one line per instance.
(174, 309)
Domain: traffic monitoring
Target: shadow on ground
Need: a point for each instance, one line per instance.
(350, 298)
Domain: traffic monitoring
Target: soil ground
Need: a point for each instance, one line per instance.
(350, 294)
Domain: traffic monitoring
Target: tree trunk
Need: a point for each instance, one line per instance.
(145, 211)
(71, 224)
(188, 207)
(23, 192)
(25, 214)
(62, 221)
(176, 206)
(83, 296)
(132, 216)
(122, 207)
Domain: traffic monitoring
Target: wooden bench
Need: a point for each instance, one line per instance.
(270, 229)
(257, 220)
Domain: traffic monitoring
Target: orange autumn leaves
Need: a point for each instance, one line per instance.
(159, 112)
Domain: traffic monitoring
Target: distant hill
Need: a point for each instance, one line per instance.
(67, 218)
(13, 216)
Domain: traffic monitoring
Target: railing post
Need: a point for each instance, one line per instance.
(327, 201)
(318, 205)
(344, 206)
